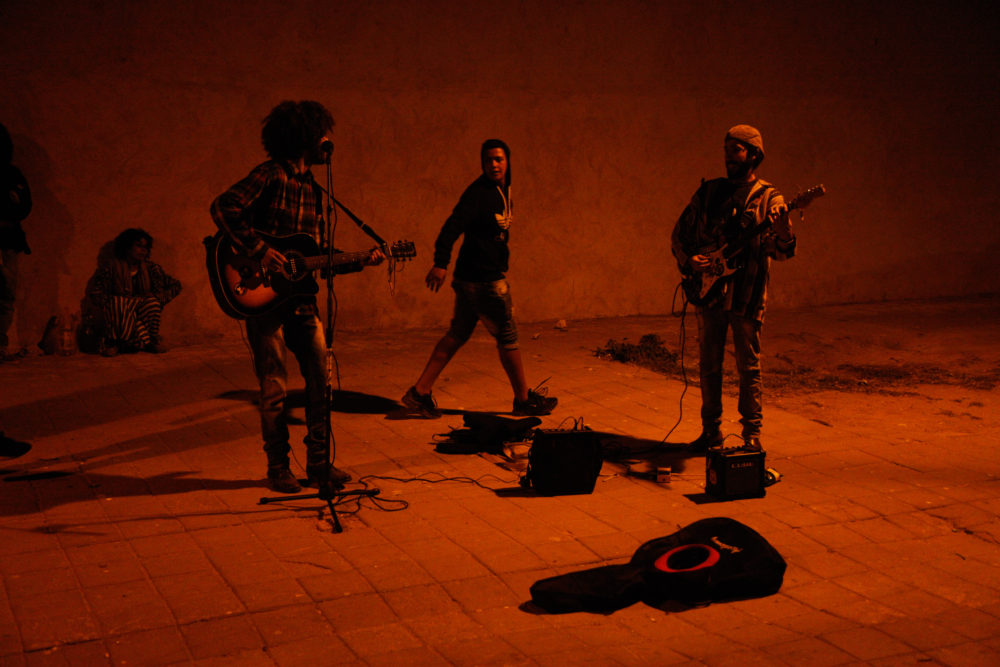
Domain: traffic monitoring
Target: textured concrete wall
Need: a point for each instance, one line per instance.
(140, 113)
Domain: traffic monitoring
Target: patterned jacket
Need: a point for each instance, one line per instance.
(698, 228)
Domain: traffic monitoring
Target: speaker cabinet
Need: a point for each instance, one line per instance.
(734, 473)
(564, 462)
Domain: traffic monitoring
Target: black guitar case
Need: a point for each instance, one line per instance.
(712, 560)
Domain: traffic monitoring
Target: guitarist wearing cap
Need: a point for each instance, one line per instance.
(280, 198)
(741, 211)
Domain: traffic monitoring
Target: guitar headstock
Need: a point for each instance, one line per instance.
(806, 197)
(401, 250)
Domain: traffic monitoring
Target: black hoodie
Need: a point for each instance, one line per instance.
(483, 215)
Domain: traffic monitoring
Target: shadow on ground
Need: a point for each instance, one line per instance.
(43, 491)
(346, 402)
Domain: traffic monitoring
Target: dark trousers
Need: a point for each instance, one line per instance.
(713, 327)
(298, 329)
(8, 288)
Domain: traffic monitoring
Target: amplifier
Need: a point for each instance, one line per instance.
(563, 462)
(736, 472)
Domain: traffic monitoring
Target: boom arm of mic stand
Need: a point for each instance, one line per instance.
(359, 222)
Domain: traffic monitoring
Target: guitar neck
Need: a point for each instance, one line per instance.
(764, 224)
(799, 202)
(339, 259)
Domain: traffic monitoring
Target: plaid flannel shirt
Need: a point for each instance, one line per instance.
(273, 199)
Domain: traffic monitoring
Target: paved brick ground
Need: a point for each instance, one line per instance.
(132, 533)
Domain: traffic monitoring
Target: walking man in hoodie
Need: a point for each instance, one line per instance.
(483, 215)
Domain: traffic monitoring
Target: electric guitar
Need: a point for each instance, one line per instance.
(244, 288)
(724, 260)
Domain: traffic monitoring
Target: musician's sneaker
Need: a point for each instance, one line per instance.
(536, 404)
(707, 440)
(281, 480)
(315, 476)
(420, 405)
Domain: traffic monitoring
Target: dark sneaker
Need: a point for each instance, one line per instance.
(281, 480)
(536, 404)
(315, 476)
(706, 441)
(753, 442)
(419, 404)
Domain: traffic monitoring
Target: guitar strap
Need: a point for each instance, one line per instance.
(708, 190)
(758, 189)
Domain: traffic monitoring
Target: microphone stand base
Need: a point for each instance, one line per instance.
(329, 493)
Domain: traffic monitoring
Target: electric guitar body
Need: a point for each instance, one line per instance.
(725, 259)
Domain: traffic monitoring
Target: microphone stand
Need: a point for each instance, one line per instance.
(358, 221)
(326, 489)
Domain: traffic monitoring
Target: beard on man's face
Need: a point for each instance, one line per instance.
(736, 169)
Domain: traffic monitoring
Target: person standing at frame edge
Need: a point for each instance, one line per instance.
(15, 205)
(484, 215)
(280, 197)
(721, 209)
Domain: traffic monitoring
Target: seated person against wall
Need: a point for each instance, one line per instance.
(131, 291)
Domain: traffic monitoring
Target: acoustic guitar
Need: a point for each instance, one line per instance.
(244, 288)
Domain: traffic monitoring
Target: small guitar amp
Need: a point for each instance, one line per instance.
(735, 472)
(563, 462)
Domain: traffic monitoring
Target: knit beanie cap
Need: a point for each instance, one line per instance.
(747, 135)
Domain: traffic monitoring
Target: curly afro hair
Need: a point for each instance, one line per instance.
(292, 128)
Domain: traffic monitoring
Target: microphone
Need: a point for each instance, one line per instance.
(326, 146)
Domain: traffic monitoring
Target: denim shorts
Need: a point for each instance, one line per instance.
(489, 302)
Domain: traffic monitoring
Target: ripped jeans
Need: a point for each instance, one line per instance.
(297, 328)
(489, 302)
